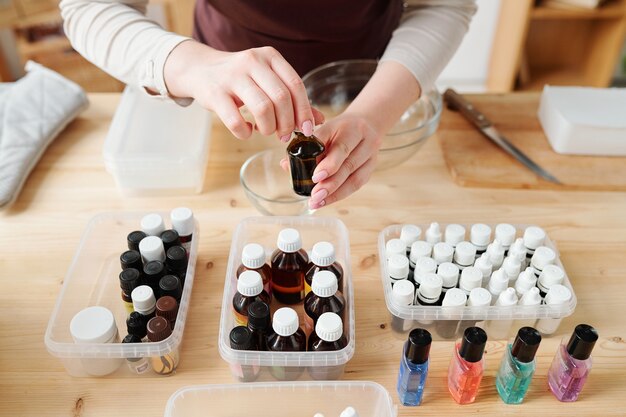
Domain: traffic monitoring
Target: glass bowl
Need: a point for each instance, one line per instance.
(268, 186)
(332, 87)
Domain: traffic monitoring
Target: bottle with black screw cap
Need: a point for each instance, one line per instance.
(176, 261)
(139, 365)
(130, 279)
(467, 366)
(134, 238)
(153, 271)
(131, 259)
(170, 285)
(241, 338)
(260, 323)
(170, 238)
(136, 325)
(414, 367)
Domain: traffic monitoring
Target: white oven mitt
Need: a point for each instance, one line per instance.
(33, 111)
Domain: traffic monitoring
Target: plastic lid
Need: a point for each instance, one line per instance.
(182, 221)
(480, 234)
(130, 259)
(329, 327)
(241, 338)
(129, 279)
(498, 282)
(253, 256)
(430, 286)
(250, 284)
(511, 266)
(526, 344)
(143, 299)
(170, 285)
(582, 342)
(420, 249)
(534, 237)
(134, 238)
(398, 266)
(542, 257)
(454, 298)
(471, 278)
(449, 274)
(324, 284)
(479, 297)
(518, 250)
(418, 346)
(558, 294)
(495, 249)
(285, 322)
(152, 224)
(167, 307)
(152, 249)
(395, 246)
(259, 315)
(454, 234)
(551, 275)
(433, 234)
(465, 253)
(136, 325)
(473, 344)
(94, 324)
(508, 297)
(158, 329)
(170, 238)
(131, 338)
(403, 293)
(349, 412)
(525, 281)
(323, 254)
(289, 240)
(409, 234)
(530, 297)
(443, 252)
(177, 258)
(505, 234)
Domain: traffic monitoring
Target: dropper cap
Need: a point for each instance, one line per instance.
(152, 224)
(525, 281)
(531, 297)
(473, 344)
(512, 267)
(582, 342)
(395, 247)
(480, 235)
(324, 284)
(505, 233)
(454, 234)
(323, 254)
(518, 250)
(418, 346)
(410, 234)
(507, 297)
(329, 327)
(498, 282)
(289, 240)
(253, 256)
(526, 344)
(433, 234)
(250, 284)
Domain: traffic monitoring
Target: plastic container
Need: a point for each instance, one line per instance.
(281, 399)
(92, 280)
(264, 231)
(434, 317)
(156, 147)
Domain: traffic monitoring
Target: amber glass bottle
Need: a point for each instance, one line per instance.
(328, 336)
(304, 154)
(323, 298)
(249, 290)
(253, 259)
(288, 337)
(323, 259)
(289, 263)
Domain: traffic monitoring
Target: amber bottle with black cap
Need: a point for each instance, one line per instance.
(159, 329)
(153, 271)
(176, 261)
(170, 238)
(170, 285)
(260, 323)
(241, 338)
(130, 279)
(304, 153)
(134, 238)
(131, 259)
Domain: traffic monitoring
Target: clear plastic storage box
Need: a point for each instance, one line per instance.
(321, 365)
(92, 280)
(450, 322)
(281, 399)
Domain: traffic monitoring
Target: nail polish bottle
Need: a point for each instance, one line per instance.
(555, 298)
(402, 294)
(153, 271)
(454, 234)
(253, 259)
(518, 366)
(533, 238)
(398, 268)
(170, 285)
(152, 224)
(323, 298)
(409, 235)
(323, 258)
(479, 299)
(131, 259)
(289, 263)
(449, 274)
(260, 323)
(429, 292)
(505, 234)
(139, 365)
(304, 154)
(288, 337)
(249, 290)
(170, 238)
(134, 238)
(454, 300)
(130, 279)
(414, 367)
(443, 252)
(433, 234)
(159, 329)
(464, 255)
(471, 278)
(423, 266)
(183, 222)
(241, 338)
(485, 266)
(467, 366)
(572, 364)
(525, 281)
(176, 263)
(496, 254)
(497, 283)
(394, 247)
(550, 276)
(512, 268)
(152, 249)
(480, 236)
(542, 257)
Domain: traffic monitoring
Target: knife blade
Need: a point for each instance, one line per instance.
(455, 101)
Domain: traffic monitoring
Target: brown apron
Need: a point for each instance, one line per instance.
(307, 33)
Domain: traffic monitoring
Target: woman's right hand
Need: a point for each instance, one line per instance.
(258, 78)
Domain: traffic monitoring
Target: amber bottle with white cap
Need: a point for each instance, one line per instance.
(454, 234)
(551, 275)
(480, 236)
(289, 263)
(253, 259)
(183, 222)
(249, 290)
(402, 294)
(542, 257)
(152, 224)
(144, 301)
(152, 249)
(288, 337)
(398, 268)
(505, 234)
(323, 298)
(433, 234)
(533, 238)
(323, 258)
(410, 234)
(464, 255)
(557, 295)
(328, 336)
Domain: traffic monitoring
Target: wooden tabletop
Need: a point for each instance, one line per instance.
(39, 234)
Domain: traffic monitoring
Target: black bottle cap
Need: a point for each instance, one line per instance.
(131, 259)
(154, 268)
(259, 315)
(473, 344)
(131, 338)
(170, 238)
(136, 325)
(177, 258)
(241, 338)
(526, 344)
(134, 238)
(418, 346)
(170, 285)
(130, 278)
(582, 342)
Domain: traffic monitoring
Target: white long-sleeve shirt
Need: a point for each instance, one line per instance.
(116, 36)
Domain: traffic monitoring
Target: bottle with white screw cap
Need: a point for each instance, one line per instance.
(394, 246)
(471, 278)
(323, 298)
(525, 281)
(447, 327)
(253, 258)
(530, 298)
(144, 301)
(542, 257)
(419, 249)
(485, 266)
(183, 222)
(398, 268)
(402, 294)
(533, 238)
(433, 234)
(429, 292)
(499, 329)
(152, 249)
(449, 274)
(152, 224)
(443, 252)
(454, 234)
(289, 264)
(287, 337)
(518, 251)
(551, 275)
(496, 254)
(512, 268)
(505, 234)
(464, 255)
(498, 283)
(480, 236)
(323, 258)
(555, 298)
(478, 297)
(423, 266)
(410, 234)
(328, 336)
(349, 412)
(249, 290)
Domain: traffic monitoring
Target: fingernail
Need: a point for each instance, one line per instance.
(315, 205)
(319, 195)
(307, 128)
(285, 138)
(319, 176)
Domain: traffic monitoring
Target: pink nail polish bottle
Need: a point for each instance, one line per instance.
(467, 366)
(572, 363)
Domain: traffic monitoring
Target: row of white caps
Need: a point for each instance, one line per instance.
(151, 247)
(329, 326)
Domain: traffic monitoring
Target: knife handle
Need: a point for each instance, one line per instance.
(455, 101)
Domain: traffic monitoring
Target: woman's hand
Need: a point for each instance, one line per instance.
(258, 78)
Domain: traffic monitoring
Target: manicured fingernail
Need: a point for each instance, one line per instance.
(319, 176)
(314, 206)
(285, 138)
(319, 195)
(307, 128)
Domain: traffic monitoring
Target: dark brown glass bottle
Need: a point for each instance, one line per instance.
(249, 290)
(304, 154)
(323, 298)
(288, 337)
(328, 336)
(289, 263)
(260, 323)
(323, 259)
(253, 259)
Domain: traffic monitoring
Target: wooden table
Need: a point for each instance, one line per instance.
(39, 235)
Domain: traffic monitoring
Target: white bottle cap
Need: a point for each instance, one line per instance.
(495, 249)
(518, 250)
(289, 240)
(424, 266)
(430, 287)
(94, 324)
(182, 221)
(152, 224)
(250, 283)
(480, 235)
(329, 327)
(449, 274)
(318, 415)
(403, 293)
(323, 254)
(398, 266)
(409, 234)
(484, 264)
(465, 254)
(420, 249)
(443, 252)
(534, 237)
(143, 299)
(455, 234)
(550, 276)
(395, 247)
(433, 234)
(471, 278)
(349, 412)
(285, 321)
(454, 298)
(505, 233)
(507, 297)
(324, 284)
(498, 282)
(479, 297)
(151, 248)
(531, 297)
(253, 256)
(542, 257)
(525, 281)
(512, 268)
(558, 294)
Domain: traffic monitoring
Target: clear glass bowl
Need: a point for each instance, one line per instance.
(268, 186)
(332, 87)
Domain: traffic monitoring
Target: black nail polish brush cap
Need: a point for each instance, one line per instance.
(418, 346)
(473, 344)
(582, 342)
(526, 344)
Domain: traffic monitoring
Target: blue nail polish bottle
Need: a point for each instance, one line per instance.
(414, 367)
